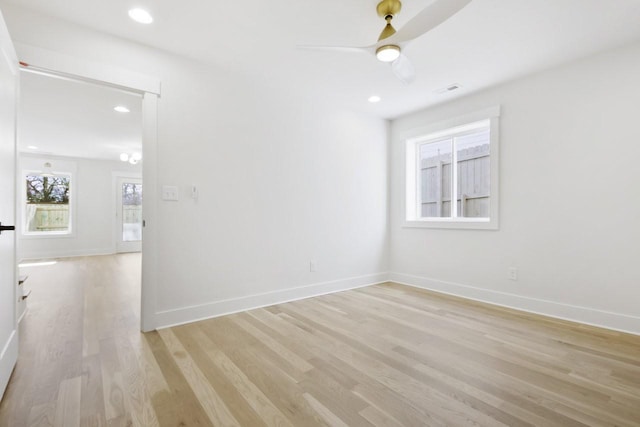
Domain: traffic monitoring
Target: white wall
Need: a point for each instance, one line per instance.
(282, 181)
(569, 208)
(93, 194)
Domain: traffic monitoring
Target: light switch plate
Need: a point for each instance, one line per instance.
(169, 192)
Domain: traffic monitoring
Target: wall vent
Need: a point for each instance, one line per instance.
(448, 88)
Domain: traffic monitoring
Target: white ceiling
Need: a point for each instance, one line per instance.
(70, 118)
(488, 42)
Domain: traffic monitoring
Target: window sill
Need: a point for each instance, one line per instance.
(48, 235)
(453, 223)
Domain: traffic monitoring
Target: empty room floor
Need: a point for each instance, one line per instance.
(384, 355)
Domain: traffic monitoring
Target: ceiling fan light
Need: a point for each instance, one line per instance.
(388, 53)
(141, 16)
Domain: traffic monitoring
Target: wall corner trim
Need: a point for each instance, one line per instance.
(180, 316)
(585, 315)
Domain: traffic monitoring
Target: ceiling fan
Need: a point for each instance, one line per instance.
(391, 43)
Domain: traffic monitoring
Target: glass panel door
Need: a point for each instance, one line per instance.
(129, 214)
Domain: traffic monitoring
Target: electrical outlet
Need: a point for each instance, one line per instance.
(513, 273)
(313, 266)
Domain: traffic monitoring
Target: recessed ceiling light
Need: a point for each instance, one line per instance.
(121, 109)
(136, 156)
(124, 157)
(373, 99)
(141, 16)
(32, 147)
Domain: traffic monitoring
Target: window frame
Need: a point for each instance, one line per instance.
(445, 130)
(71, 232)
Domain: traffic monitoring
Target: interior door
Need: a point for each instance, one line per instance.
(129, 214)
(8, 283)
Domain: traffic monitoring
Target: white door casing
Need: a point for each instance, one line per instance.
(9, 80)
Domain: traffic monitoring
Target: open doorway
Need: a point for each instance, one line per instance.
(78, 143)
(90, 309)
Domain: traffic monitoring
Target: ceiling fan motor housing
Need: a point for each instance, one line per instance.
(389, 8)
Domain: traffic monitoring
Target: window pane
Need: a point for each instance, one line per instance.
(47, 208)
(474, 177)
(435, 179)
(131, 212)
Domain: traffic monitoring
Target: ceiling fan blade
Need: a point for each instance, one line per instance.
(426, 20)
(346, 49)
(403, 69)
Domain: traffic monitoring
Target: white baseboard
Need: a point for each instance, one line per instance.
(166, 319)
(8, 358)
(586, 315)
(65, 254)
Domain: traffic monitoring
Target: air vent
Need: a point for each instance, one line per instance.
(448, 88)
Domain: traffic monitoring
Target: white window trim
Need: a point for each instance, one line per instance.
(72, 208)
(441, 129)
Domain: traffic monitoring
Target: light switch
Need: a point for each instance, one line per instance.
(169, 192)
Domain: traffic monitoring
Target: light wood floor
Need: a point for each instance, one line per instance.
(384, 355)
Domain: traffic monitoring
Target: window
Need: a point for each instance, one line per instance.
(452, 176)
(47, 209)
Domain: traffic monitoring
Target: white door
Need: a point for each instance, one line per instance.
(129, 214)
(8, 282)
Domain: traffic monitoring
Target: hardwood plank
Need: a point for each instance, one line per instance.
(152, 374)
(197, 344)
(294, 360)
(212, 403)
(92, 412)
(179, 406)
(283, 391)
(136, 395)
(113, 393)
(379, 418)
(252, 394)
(324, 412)
(42, 415)
(68, 405)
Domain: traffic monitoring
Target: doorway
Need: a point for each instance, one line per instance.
(77, 133)
(64, 66)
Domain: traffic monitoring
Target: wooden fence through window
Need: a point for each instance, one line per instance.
(473, 183)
